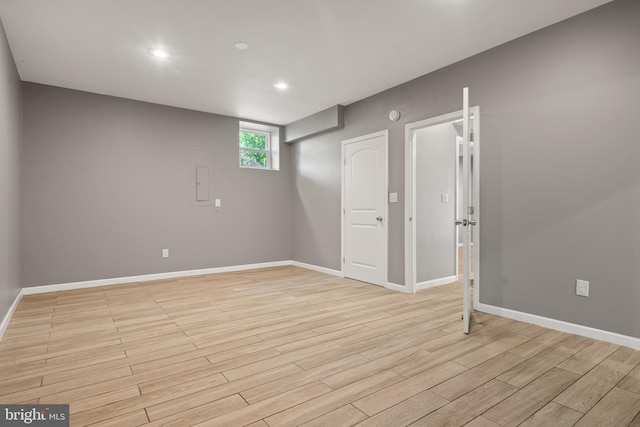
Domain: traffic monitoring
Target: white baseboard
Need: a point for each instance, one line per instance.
(392, 286)
(317, 268)
(562, 326)
(399, 288)
(437, 282)
(160, 276)
(9, 315)
(148, 277)
(546, 322)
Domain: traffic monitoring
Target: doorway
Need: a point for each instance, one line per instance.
(442, 203)
(364, 208)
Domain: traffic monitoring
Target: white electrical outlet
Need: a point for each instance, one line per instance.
(582, 288)
(165, 253)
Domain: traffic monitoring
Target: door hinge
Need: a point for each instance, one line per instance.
(471, 137)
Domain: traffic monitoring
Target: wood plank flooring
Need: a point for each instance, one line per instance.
(288, 346)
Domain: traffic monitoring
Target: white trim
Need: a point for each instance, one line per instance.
(546, 322)
(148, 277)
(317, 268)
(562, 326)
(436, 282)
(273, 144)
(7, 318)
(478, 213)
(410, 194)
(398, 288)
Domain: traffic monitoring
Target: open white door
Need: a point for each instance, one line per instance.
(467, 195)
(364, 208)
(468, 218)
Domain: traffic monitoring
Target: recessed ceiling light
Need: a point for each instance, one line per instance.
(159, 53)
(241, 46)
(281, 85)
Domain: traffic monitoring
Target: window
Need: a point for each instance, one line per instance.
(255, 151)
(258, 146)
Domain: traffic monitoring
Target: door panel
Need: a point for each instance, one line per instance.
(466, 237)
(364, 176)
(469, 215)
(365, 237)
(364, 208)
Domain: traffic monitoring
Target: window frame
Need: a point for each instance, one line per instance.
(272, 133)
(267, 149)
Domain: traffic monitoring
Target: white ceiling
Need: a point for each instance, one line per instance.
(329, 51)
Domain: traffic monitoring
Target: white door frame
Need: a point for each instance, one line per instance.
(410, 196)
(385, 134)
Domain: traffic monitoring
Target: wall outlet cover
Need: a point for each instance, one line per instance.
(582, 288)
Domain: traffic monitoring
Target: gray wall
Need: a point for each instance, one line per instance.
(10, 145)
(560, 187)
(317, 200)
(435, 174)
(107, 185)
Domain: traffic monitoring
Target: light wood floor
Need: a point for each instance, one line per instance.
(288, 346)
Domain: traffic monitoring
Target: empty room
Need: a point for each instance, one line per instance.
(319, 213)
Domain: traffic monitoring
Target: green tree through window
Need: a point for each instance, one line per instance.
(254, 149)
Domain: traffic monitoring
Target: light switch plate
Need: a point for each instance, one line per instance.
(393, 197)
(444, 197)
(218, 203)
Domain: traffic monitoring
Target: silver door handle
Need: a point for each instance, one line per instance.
(462, 222)
(379, 219)
(472, 222)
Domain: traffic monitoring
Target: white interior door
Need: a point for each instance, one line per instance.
(467, 221)
(364, 205)
(467, 193)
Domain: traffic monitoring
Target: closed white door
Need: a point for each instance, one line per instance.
(364, 202)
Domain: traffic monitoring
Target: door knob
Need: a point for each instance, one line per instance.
(379, 219)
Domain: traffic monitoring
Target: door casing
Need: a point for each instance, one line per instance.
(410, 196)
